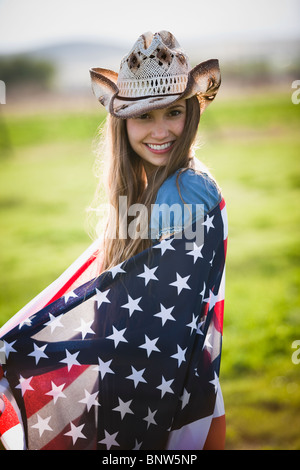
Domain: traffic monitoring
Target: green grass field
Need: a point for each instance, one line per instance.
(252, 146)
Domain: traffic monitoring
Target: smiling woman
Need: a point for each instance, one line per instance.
(131, 333)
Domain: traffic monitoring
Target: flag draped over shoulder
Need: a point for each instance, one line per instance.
(129, 359)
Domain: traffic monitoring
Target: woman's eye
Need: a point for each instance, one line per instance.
(175, 112)
(144, 116)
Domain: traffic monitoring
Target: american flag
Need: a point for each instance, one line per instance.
(129, 359)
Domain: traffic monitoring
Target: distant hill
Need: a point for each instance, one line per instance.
(73, 60)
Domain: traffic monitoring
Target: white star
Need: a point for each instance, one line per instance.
(7, 348)
(117, 336)
(165, 386)
(180, 283)
(206, 342)
(148, 274)
(180, 355)
(208, 222)
(56, 391)
(75, 432)
(196, 252)
(215, 382)
(149, 345)
(85, 328)
(185, 397)
(54, 322)
(90, 399)
(165, 245)
(38, 352)
(193, 324)
(24, 384)
(116, 269)
(199, 331)
(42, 424)
(132, 305)
(212, 299)
(165, 314)
(25, 322)
(109, 440)
(123, 408)
(102, 297)
(69, 295)
(136, 376)
(137, 445)
(103, 368)
(150, 417)
(70, 359)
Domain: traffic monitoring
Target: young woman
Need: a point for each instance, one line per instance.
(152, 320)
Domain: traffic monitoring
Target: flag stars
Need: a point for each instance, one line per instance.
(90, 399)
(70, 360)
(117, 336)
(69, 295)
(24, 384)
(54, 322)
(103, 368)
(109, 440)
(208, 222)
(196, 252)
(56, 391)
(132, 305)
(150, 345)
(38, 352)
(75, 433)
(136, 376)
(165, 314)
(180, 355)
(150, 417)
(123, 408)
(85, 328)
(148, 274)
(180, 283)
(42, 425)
(165, 386)
(101, 297)
(164, 245)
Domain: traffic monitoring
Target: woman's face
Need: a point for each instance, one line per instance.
(152, 135)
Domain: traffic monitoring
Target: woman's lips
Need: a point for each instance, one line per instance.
(160, 148)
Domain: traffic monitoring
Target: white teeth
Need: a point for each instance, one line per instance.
(160, 147)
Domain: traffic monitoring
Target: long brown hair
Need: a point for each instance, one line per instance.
(126, 176)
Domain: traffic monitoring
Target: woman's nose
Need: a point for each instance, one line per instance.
(159, 130)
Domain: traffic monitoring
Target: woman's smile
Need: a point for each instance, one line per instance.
(160, 148)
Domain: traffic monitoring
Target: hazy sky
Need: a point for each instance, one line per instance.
(31, 23)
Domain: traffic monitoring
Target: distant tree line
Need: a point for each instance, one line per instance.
(23, 70)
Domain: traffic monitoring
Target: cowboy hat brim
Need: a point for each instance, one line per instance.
(203, 81)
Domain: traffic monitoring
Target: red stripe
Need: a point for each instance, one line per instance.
(9, 418)
(73, 278)
(35, 399)
(222, 204)
(219, 316)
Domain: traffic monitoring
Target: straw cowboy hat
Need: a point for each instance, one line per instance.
(155, 74)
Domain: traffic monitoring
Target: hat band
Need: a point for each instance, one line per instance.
(161, 85)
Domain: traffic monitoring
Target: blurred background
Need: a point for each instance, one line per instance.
(249, 138)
